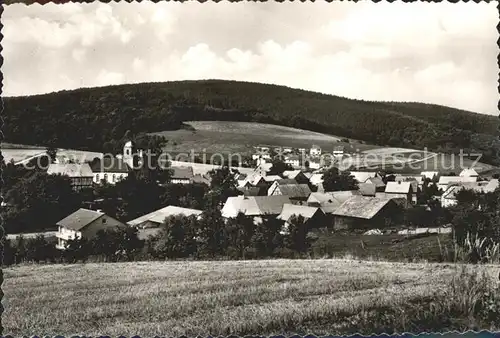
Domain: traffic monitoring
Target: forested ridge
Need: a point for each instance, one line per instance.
(98, 118)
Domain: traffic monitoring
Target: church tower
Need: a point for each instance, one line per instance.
(128, 154)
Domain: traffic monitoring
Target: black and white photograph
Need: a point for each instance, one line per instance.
(250, 168)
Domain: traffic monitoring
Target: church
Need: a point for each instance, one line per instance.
(111, 169)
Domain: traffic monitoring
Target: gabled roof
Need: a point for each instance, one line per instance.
(468, 172)
(70, 169)
(362, 176)
(110, 165)
(361, 207)
(295, 190)
(158, 216)
(182, 172)
(79, 219)
(254, 205)
(398, 187)
(367, 189)
(291, 209)
(333, 197)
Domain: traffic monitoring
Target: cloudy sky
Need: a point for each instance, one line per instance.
(427, 52)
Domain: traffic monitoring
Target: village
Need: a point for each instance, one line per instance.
(375, 204)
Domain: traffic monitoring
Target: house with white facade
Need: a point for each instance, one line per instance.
(109, 170)
(84, 223)
(315, 151)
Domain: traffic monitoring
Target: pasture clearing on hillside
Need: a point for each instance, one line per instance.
(18, 152)
(241, 297)
(233, 137)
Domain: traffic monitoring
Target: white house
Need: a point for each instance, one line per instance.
(84, 223)
(315, 151)
(109, 170)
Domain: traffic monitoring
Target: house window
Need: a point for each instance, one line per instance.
(106, 177)
(97, 177)
(104, 221)
(113, 178)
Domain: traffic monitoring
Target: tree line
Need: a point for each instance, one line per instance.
(103, 115)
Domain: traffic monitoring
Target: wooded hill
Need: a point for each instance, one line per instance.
(98, 118)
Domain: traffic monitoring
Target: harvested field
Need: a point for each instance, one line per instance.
(235, 297)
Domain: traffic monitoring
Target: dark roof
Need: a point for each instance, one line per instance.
(295, 190)
(79, 219)
(361, 207)
(182, 172)
(110, 165)
(286, 181)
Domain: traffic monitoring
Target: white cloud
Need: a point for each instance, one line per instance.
(383, 51)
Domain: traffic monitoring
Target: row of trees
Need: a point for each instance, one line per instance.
(180, 237)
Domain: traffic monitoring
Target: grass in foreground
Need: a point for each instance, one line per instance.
(247, 297)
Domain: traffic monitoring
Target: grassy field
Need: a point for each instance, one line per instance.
(233, 137)
(241, 297)
(19, 152)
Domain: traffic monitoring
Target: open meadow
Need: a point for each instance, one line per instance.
(241, 137)
(244, 297)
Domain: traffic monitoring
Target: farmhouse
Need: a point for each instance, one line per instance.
(81, 174)
(84, 223)
(338, 151)
(255, 206)
(400, 188)
(109, 170)
(297, 192)
(330, 201)
(360, 212)
(156, 218)
(182, 175)
(313, 216)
